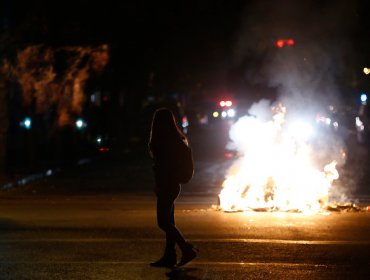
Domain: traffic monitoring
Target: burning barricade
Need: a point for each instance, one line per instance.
(280, 167)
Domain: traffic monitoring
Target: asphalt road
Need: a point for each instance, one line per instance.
(98, 221)
(115, 237)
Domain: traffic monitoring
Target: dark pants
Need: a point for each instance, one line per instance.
(166, 221)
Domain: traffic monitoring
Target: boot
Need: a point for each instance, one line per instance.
(188, 254)
(169, 260)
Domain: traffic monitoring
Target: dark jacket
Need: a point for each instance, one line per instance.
(165, 159)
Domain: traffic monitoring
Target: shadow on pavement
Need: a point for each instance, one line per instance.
(182, 273)
(7, 224)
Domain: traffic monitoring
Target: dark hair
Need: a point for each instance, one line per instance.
(164, 129)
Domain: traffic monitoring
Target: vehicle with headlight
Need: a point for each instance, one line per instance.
(225, 110)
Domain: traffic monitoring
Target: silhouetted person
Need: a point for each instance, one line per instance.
(165, 141)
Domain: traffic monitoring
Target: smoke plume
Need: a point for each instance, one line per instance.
(306, 73)
(309, 75)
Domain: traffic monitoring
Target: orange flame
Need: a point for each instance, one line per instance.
(277, 170)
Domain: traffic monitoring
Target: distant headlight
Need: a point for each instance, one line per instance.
(359, 124)
(231, 113)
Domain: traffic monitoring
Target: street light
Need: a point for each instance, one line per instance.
(366, 71)
(80, 124)
(26, 123)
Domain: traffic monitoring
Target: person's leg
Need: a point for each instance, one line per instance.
(166, 221)
(165, 218)
(170, 239)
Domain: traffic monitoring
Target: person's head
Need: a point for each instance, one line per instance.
(164, 127)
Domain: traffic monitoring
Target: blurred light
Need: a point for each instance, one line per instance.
(93, 98)
(104, 149)
(328, 121)
(203, 119)
(359, 124)
(228, 103)
(285, 42)
(231, 113)
(185, 122)
(98, 140)
(290, 42)
(224, 114)
(26, 123)
(336, 125)
(228, 155)
(80, 124)
(280, 43)
(366, 71)
(215, 114)
(363, 98)
(222, 103)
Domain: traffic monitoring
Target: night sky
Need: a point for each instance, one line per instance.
(191, 42)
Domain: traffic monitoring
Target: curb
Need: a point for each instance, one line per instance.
(37, 176)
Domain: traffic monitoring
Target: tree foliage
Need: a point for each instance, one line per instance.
(55, 78)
